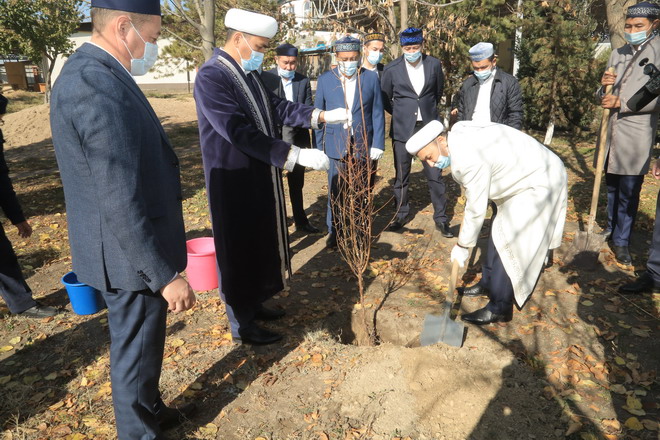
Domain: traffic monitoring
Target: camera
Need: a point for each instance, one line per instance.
(649, 91)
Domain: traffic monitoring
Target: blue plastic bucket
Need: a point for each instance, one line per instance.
(85, 300)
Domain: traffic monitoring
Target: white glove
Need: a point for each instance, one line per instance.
(375, 153)
(313, 158)
(460, 254)
(337, 116)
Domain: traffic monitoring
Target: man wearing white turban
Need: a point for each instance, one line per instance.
(528, 184)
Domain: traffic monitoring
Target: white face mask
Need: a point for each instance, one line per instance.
(140, 66)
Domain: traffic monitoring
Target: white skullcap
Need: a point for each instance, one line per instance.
(424, 137)
(481, 51)
(251, 23)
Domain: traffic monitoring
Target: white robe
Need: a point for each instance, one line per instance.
(528, 184)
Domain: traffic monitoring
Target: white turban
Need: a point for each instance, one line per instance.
(424, 137)
(251, 23)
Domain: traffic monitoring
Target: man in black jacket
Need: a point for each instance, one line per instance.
(413, 85)
(13, 288)
(490, 94)
(285, 82)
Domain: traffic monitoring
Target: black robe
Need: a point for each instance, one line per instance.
(243, 169)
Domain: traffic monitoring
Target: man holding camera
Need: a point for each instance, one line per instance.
(631, 134)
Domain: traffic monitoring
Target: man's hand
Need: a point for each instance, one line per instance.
(315, 159)
(608, 79)
(24, 229)
(375, 153)
(460, 255)
(179, 295)
(610, 101)
(335, 116)
(656, 169)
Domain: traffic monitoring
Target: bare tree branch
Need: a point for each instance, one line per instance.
(180, 12)
(181, 39)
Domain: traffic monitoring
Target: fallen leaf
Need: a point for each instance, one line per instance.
(573, 428)
(51, 376)
(651, 425)
(15, 340)
(633, 402)
(587, 303)
(612, 424)
(5, 379)
(618, 388)
(177, 343)
(6, 348)
(644, 333)
(634, 424)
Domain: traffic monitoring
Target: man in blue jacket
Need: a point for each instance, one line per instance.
(358, 90)
(414, 83)
(123, 201)
(13, 288)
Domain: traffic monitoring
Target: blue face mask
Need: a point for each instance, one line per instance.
(140, 66)
(348, 68)
(374, 57)
(483, 75)
(288, 74)
(256, 58)
(636, 38)
(412, 56)
(443, 162)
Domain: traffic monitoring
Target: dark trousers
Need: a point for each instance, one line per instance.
(137, 322)
(496, 280)
(13, 288)
(653, 264)
(402, 165)
(622, 203)
(296, 180)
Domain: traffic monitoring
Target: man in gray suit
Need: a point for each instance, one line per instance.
(123, 201)
(285, 82)
(413, 84)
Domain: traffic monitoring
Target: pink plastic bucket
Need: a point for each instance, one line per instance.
(202, 270)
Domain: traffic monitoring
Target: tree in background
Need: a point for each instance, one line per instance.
(39, 30)
(616, 16)
(197, 26)
(558, 71)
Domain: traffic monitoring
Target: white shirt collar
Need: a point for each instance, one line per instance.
(106, 51)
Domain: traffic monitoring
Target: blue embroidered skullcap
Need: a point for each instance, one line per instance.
(148, 7)
(287, 50)
(348, 44)
(644, 10)
(411, 36)
(481, 51)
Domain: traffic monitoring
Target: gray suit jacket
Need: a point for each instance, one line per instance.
(120, 175)
(302, 93)
(401, 99)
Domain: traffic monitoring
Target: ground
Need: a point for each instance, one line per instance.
(579, 361)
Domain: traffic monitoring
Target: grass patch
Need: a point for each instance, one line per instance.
(21, 99)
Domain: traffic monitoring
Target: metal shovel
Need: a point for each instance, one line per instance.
(586, 245)
(442, 328)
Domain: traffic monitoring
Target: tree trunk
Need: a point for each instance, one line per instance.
(403, 4)
(47, 69)
(550, 131)
(616, 17)
(394, 44)
(207, 31)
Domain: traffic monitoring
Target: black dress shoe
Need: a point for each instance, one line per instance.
(398, 224)
(267, 314)
(331, 241)
(642, 284)
(444, 229)
(168, 417)
(622, 255)
(485, 316)
(39, 311)
(476, 290)
(308, 227)
(256, 335)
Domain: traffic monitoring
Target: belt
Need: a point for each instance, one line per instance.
(419, 123)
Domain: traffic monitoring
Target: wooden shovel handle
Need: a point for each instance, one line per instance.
(452, 281)
(600, 162)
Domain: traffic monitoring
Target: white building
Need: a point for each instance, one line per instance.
(160, 77)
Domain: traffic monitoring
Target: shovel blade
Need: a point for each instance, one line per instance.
(584, 250)
(442, 329)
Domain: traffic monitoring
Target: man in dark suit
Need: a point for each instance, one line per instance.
(374, 49)
(489, 94)
(285, 82)
(414, 83)
(13, 288)
(123, 200)
(359, 91)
